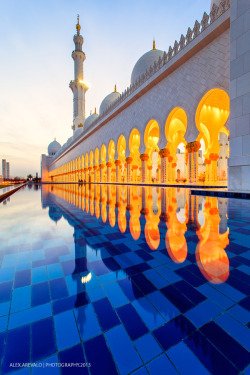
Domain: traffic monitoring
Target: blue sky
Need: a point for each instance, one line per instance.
(36, 65)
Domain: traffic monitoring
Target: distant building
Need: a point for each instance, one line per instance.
(7, 170)
(4, 168)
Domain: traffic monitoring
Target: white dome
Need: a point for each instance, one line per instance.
(69, 140)
(53, 148)
(77, 133)
(108, 100)
(144, 63)
(89, 121)
(216, 2)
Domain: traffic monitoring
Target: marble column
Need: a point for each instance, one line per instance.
(144, 158)
(214, 158)
(129, 161)
(164, 153)
(117, 164)
(192, 149)
(109, 165)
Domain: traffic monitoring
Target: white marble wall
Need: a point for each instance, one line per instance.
(239, 162)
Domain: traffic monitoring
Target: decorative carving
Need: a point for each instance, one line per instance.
(165, 57)
(170, 53)
(204, 21)
(182, 41)
(176, 47)
(213, 13)
(189, 36)
(196, 30)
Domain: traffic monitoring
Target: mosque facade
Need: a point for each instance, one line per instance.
(171, 125)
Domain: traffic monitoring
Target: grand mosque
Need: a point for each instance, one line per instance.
(171, 125)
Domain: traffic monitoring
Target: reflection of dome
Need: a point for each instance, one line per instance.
(144, 63)
(89, 121)
(110, 99)
(55, 214)
(216, 2)
(53, 147)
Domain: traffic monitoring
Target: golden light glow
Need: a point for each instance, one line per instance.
(87, 278)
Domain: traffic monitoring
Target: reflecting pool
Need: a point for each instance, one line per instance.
(105, 279)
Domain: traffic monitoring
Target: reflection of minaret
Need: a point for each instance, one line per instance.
(80, 267)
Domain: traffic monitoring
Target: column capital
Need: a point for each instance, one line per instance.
(214, 157)
(193, 146)
(109, 164)
(164, 152)
(174, 165)
(170, 159)
(150, 167)
(129, 160)
(117, 162)
(207, 161)
(102, 166)
(144, 157)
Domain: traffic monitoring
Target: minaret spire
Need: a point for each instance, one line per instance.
(78, 86)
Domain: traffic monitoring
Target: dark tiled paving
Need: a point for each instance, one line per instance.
(111, 291)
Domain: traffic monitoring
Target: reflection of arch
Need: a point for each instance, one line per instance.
(211, 256)
(152, 233)
(175, 240)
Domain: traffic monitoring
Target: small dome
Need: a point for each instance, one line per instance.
(89, 121)
(69, 140)
(77, 133)
(108, 100)
(144, 63)
(55, 214)
(53, 148)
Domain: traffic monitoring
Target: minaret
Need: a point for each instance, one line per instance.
(78, 86)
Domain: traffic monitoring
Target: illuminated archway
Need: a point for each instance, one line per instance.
(175, 129)
(120, 168)
(91, 164)
(211, 116)
(111, 162)
(152, 158)
(83, 178)
(103, 167)
(87, 167)
(96, 166)
(133, 162)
